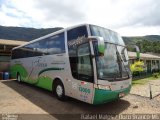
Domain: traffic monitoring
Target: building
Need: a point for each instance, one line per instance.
(152, 62)
(5, 52)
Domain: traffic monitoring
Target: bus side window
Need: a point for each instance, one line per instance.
(29, 50)
(15, 54)
(56, 44)
(77, 32)
(41, 48)
(34, 49)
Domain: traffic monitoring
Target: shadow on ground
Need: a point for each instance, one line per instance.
(48, 102)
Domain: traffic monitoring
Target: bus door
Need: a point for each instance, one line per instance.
(82, 72)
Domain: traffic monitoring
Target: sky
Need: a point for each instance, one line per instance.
(127, 17)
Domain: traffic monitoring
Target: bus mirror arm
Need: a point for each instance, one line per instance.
(137, 50)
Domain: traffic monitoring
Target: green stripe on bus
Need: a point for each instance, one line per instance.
(49, 69)
(45, 82)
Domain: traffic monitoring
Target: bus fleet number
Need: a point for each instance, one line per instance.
(85, 90)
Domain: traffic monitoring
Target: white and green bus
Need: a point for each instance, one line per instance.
(85, 62)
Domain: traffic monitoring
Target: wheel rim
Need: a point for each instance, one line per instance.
(59, 90)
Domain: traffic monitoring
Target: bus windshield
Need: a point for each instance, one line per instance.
(108, 35)
(113, 64)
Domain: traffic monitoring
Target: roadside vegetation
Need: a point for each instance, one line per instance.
(155, 76)
(149, 43)
(137, 68)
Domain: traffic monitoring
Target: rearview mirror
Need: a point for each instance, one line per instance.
(101, 43)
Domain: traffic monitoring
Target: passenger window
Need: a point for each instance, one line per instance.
(31, 50)
(16, 54)
(56, 44)
(77, 32)
(41, 47)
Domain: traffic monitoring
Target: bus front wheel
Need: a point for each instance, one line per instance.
(59, 90)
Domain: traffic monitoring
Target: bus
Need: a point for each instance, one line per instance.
(86, 62)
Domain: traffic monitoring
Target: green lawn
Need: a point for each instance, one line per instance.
(144, 81)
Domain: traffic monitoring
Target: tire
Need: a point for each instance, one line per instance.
(59, 90)
(19, 78)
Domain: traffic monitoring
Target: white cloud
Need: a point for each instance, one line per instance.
(11, 16)
(11, 20)
(139, 31)
(128, 17)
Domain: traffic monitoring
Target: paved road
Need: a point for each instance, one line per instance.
(23, 98)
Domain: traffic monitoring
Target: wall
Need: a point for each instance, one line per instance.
(4, 63)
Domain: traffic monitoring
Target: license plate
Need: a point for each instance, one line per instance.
(121, 95)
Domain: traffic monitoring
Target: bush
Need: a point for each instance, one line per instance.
(155, 75)
(138, 66)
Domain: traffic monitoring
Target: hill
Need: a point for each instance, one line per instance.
(24, 34)
(133, 40)
(149, 43)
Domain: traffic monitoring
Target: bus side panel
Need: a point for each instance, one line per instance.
(34, 71)
(45, 82)
(56, 67)
(41, 71)
(82, 90)
(16, 67)
(42, 81)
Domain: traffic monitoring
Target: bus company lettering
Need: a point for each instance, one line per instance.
(78, 41)
(85, 90)
(39, 63)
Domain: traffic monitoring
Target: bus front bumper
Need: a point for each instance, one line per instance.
(104, 96)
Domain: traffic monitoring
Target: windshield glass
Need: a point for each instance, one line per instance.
(108, 35)
(113, 65)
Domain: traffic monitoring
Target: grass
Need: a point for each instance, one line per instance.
(144, 80)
